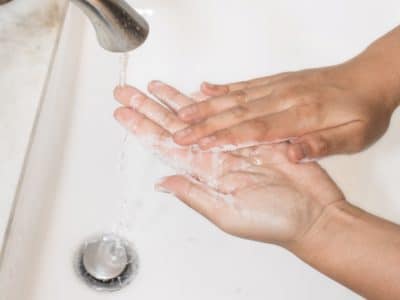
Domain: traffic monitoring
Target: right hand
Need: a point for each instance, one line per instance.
(254, 193)
(341, 109)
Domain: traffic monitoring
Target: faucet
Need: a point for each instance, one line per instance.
(119, 27)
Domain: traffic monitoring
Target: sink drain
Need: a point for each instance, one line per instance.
(107, 263)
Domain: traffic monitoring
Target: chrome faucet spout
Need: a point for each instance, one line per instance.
(119, 27)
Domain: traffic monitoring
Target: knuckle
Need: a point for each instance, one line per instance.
(205, 128)
(259, 129)
(311, 98)
(240, 111)
(258, 125)
(207, 107)
(291, 91)
(138, 102)
(228, 136)
(307, 111)
(170, 92)
(211, 125)
(137, 123)
(240, 97)
(174, 93)
(284, 92)
(171, 96)
(166, 119)
(164, 136)
(319, 146)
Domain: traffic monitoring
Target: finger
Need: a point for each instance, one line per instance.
(230, 118)
(223, 89)
(265, 154)
(343, 139)
(199, 96)
(151, 109)
(194, 194)
(205, 165)
(123, 94)
(273, 128)
(159, 140)
(214, 90)
(168, 95)
(209, 167)
(141, 126)
(198, 111)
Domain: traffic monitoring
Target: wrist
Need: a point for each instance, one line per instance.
(331, 225)
(375, 73)
(355, 248)
(384, 68)
(378, 68)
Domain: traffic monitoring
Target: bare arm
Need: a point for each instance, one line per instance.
(357, 249)
(378, 68)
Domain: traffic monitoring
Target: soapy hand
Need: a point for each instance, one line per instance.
(322, 112)
(254, 193)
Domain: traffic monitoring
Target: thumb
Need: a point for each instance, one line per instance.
(343, 139)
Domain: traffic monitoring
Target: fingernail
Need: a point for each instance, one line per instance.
(299, 152)
(308, 160)
(136, 100)
(183, 133)
(160, 188)
(188, 112)
(215, 87)
(211, 85)
(156, 83)
(120, 93)
(207, 141)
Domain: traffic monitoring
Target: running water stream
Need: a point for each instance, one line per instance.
(124, 62)
(122, 224)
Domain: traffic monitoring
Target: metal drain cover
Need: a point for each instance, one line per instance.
(107, 262)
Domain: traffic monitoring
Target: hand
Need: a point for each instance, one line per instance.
(274, 202)
(255, 193)
(325, 111)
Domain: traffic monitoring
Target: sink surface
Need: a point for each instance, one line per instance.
(82, 179)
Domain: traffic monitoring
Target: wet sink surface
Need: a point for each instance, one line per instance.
(74, 187)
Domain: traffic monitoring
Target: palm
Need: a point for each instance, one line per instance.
(254, 192)
(275, 200)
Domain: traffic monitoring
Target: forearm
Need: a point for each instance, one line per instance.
(356, 249)
(377, 70)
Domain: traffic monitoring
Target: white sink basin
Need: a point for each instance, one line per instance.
(74, 187)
